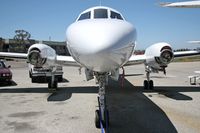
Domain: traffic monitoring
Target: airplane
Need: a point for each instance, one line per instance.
(102, 42)
(185, 4)
(194, 42)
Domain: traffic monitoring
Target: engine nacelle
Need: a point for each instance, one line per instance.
(40, 55)
(159, 55)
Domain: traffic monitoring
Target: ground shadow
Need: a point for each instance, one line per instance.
(132, 112)
(44, 80)
(131, 75)
(173, 92)
(6, 83)
(61, 94)
(64, 81)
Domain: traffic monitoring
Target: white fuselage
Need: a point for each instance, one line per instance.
(184, 4)
(101, 45)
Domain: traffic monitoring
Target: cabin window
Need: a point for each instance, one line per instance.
(100, 13)
(115, 15)
(85, 16)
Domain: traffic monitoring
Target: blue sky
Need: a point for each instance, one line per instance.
(44, 18)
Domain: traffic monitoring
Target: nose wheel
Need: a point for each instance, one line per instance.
(148, 85)
(102, 122)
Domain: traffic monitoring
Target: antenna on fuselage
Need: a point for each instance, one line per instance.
(99, 2)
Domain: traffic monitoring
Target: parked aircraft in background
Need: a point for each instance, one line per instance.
(185, 4)
(194, 42)
(102, 42)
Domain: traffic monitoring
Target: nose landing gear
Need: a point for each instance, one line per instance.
(102, 114)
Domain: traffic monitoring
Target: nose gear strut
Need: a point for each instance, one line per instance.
(102, 115)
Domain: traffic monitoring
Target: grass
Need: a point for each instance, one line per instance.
(187, 59)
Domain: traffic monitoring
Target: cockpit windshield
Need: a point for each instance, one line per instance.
(85, 16)
(100, 13)
(115, 15)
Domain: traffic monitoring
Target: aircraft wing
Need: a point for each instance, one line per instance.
(66, 61)
(194, 42)
(69, 61)
(186, 53)
(61, 60)
(13, 55)
(136, 59)
(185, 4)
(139, 59)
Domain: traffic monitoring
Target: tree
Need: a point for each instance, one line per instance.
(22, 37)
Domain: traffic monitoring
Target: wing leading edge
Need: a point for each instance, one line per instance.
(185, 4)
(136, 59)
(139, 59)
(61, 60)
(186, 53)
(13, 55)
(69, 61)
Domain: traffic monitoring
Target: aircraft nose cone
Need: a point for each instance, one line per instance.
(96, 36)
(101, 45)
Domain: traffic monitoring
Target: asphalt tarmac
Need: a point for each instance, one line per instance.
(173, 106)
